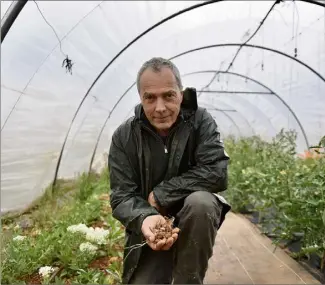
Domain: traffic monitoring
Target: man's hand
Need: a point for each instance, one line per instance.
(152, 201)
(149, 224)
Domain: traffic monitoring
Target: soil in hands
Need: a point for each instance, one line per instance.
(164, 231)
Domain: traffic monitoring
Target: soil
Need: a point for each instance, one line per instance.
(99, 224)
(104, 197)
(163, 232)
(33, 279)
(101, 263)
(118, 247)
(106, 209)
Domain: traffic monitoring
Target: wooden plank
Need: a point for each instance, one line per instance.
(242, 255)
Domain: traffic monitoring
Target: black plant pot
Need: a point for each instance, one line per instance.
(247, 209)
(268, 214)
(295, 244)
(255, 217)
(315, 261)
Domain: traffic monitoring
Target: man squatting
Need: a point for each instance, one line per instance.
(167, 160)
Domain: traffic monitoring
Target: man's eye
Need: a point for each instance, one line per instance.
(148, 97)
(169, 95)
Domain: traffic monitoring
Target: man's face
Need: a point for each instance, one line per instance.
(161, 98)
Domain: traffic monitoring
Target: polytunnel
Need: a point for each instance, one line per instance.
(68, 81)
(263, 62)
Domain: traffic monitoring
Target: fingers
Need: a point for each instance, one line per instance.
(157, 246)
(148, 234)
(160, 244)
(175, 230)
(174, 237)
(169, 243)
(150, 223)
(154, 228)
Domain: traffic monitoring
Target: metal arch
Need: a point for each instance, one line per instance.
(221, 45)
(125, 48)
(193, 50)
(242, 116)
(228, 116)
(245, 103)
(216, 119)
(235, 92)
(10, 17)
(225, 113)
(13, 14)
(264, 86)
(313, 2)
(108, 117)
(251, 46)
(111, 62)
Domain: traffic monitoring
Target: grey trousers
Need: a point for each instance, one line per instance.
(187, 261)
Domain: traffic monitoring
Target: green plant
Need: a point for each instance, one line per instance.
(269, 177)
(51, 244)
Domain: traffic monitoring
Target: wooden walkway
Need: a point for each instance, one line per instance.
(242, 255)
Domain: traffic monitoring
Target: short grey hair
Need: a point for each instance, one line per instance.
(156, 63)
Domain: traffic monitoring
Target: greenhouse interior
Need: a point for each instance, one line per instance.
(68, 81)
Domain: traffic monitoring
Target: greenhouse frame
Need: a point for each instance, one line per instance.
(69, 77)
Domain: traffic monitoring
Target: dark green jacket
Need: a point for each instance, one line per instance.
(196, 162)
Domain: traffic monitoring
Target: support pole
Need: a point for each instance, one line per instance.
(10, 17)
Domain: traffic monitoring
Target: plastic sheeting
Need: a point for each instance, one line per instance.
(39, 99)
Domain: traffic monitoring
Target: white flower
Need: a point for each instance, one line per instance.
(46, 271)
(87, 246)
(97, 235)
(81, 228)
(19, 238)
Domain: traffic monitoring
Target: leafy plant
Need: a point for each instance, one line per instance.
(288, 192)
(50, 243)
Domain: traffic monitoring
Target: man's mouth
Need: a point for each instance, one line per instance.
(161, 118)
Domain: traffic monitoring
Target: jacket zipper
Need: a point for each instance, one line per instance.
(160, 139)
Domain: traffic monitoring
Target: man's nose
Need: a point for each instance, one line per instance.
(160, 106)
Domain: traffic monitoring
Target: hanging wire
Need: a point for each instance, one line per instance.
(291, 64)
(297, 26)
(36, 71)
(67, 62)
(262, 65)
(283, 19)
(299, 34)
(248, 54)
(241, 46)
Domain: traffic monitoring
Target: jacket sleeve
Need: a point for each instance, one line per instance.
(210, 172)
(127, 204)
